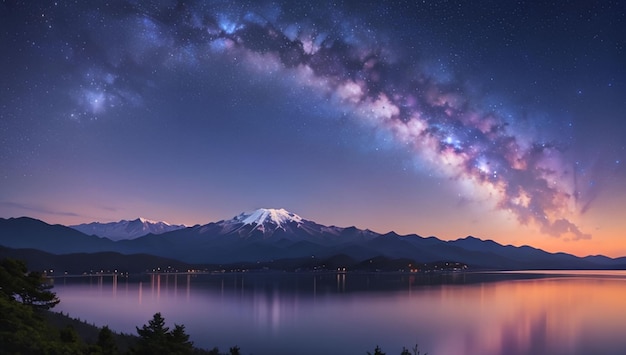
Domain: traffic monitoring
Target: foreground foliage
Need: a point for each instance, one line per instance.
(155, 338)
(29, 288)
(23, 297)
(405, 351)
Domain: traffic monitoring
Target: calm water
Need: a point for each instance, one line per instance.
(500, 313)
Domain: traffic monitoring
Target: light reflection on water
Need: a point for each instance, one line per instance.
(499, 313)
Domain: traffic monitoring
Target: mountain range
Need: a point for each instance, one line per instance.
(126, 229)
(265, 235)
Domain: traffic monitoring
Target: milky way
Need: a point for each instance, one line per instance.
(436, 121)
(440, 119)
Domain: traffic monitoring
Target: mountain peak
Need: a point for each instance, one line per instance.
(149, 221)
(265, 215)
(126, 229)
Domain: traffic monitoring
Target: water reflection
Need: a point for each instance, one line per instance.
(531, 313)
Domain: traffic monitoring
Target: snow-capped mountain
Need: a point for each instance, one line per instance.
(265, 221)
(126, 229)
(268, 215)
(274, 225)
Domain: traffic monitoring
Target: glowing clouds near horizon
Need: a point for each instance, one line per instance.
(436, 121)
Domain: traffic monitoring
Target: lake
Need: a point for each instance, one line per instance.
(559, 312)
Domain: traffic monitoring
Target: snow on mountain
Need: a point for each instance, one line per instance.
(268, 215)
(263, 220)
(126, 229)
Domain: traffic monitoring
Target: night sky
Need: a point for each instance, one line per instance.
(505, 120)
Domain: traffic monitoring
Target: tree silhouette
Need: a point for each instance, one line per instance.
(29, 288)
(377, 351)
(179, 340)
(405, 351)
(106, 341)
(155, 338)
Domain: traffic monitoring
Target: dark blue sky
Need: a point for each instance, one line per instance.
(500, 119)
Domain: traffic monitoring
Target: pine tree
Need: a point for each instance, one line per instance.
(179, 341)
(106, 341)
(155, 338)
(377, 351)
(29, 288)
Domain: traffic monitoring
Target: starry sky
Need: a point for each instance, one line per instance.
(505, 120)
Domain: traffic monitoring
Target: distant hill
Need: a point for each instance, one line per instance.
(276, 234)
(111, 262)
(25, 232)
(101, 262)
